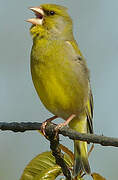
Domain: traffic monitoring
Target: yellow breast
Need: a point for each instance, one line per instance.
(58, 83)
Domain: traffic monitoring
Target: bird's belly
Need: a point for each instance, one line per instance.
(61, 94)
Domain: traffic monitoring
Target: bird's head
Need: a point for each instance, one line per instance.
(52, 18)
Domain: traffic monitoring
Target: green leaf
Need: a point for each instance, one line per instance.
(49, 174)
(42, 165)
(68, 160)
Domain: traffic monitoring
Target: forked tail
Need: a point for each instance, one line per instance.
(81, 158)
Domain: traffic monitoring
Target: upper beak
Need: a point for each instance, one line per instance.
(39, 16)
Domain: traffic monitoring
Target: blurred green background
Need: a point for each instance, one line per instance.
(96, 31)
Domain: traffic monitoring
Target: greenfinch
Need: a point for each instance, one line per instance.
(60, 74)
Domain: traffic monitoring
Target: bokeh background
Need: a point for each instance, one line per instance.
(96, 31)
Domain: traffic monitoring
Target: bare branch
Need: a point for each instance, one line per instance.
(20, 127)
(54, 141)
(56, 152)
(65, 131)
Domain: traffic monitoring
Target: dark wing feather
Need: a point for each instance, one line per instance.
(89, 113)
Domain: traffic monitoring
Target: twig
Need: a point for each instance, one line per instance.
(56, 152)
(91, 149)
(20, 127)
(65, 131)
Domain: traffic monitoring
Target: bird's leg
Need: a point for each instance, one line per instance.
(45, 123)
(64, 124)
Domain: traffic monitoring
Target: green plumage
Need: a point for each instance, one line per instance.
(61, 77)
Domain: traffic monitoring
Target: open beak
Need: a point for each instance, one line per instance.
(39, 13)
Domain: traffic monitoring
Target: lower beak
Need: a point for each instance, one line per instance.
(38, 20)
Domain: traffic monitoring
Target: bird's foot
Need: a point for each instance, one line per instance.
(45, 123)
(59, 126)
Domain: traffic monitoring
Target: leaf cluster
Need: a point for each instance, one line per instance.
(44, 167)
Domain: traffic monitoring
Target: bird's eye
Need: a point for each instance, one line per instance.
(52, 12)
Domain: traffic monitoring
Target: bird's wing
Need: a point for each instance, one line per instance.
(74, 47)
(89, 112)
(89, 107)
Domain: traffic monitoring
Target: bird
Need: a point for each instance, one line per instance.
(60, 75)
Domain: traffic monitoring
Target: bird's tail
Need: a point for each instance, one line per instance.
(80, 147)
(81, 158)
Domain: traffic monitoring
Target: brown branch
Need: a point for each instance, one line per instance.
(20, 127)
(56, 152)
(54, 141)
(65, 131)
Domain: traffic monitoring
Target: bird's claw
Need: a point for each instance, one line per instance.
(45, 123)
(57, 128)
(43, 128)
